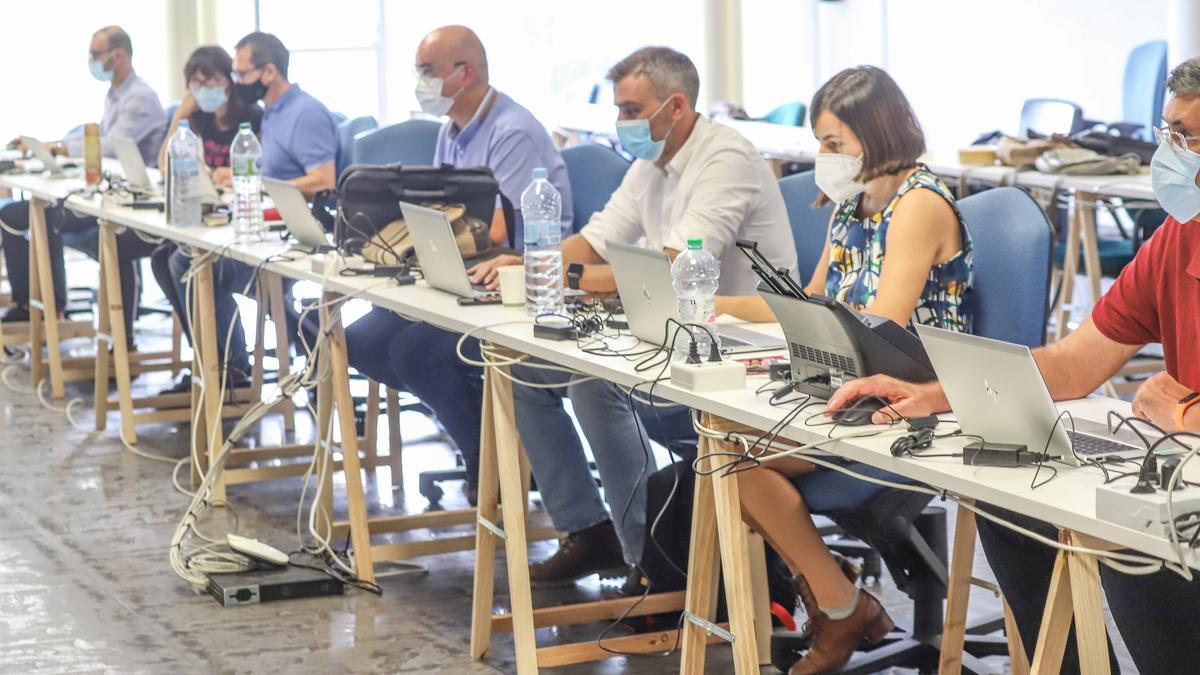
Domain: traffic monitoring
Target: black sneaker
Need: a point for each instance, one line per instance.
(182, 386)
(15, 314)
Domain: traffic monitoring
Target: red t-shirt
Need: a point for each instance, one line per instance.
(1157, 299)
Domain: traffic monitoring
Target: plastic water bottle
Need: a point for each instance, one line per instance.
(184, 156)
(695, 275)
(541, 210)
(245, 159)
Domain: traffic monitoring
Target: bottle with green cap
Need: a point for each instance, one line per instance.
(245, 159)
(696, 274)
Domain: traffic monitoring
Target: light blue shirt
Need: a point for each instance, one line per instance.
(508, 139)
(298, 134)
(131, 111)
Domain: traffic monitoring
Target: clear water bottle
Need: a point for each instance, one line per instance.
(695, 275)
(245, 159)
(541, 211)
(184, 157)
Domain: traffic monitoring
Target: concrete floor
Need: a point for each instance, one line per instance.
(85, 585)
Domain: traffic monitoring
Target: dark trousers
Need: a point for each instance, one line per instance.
(78, 232)
(1158, 615)
(170, 265)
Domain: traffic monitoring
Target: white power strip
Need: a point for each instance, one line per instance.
(1144, 512)
(708, 376)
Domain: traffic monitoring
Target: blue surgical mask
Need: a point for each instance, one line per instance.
(1173, 173)
(209, 99)
(98, 71)
(635, 137)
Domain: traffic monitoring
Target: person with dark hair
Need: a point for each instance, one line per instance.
(299, 145)
(1156, 299)
(131, 111)
(897, 248)
(691, 178)
(214, 114)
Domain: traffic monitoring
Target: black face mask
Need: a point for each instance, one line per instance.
(250, 92)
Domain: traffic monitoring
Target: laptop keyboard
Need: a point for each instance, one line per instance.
(727, 341)
(1088, 446)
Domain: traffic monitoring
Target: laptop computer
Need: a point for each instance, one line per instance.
(644, 283)
(294, 210)
(43, 155)
(134, 167)
(441, 262)
(997, 391)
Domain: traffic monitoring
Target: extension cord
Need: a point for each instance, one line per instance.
(708, 376)
(1144, 512)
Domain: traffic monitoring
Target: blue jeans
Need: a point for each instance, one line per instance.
(229, 277)
(618, 439)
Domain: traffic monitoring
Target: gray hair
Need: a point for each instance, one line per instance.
(669, 72)
(1184, 79)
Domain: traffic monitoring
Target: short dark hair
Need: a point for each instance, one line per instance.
(869, 101)
(117, 38)
(266, 48)
(668, 71)
(208, 60)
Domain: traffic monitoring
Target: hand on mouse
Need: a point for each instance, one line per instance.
(905, 398)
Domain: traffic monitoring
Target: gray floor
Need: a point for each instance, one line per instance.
(85, 585)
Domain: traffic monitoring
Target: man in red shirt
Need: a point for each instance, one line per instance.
(1156, 299)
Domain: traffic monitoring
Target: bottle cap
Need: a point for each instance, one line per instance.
(183, 124)
(244, 126)
(540, 174)
(694, 243)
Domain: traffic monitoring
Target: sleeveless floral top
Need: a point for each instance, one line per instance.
(858, 247)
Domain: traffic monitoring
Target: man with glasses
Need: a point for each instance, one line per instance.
(299, 145)
(485, 128)
(1156, 300)
(131, 111)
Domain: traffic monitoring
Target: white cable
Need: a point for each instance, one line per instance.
(15, 388)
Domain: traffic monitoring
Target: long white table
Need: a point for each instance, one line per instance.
(1068, 501)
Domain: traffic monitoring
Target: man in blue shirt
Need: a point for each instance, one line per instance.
(131, 111)
(485, 128)
(299, 145)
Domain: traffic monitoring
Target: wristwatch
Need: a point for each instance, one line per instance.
(574, 274)
(1181, 409)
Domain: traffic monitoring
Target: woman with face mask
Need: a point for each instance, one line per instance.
(213, 113)
(896, 248)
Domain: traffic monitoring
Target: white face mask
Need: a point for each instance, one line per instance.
(837, 176)
(429, 94)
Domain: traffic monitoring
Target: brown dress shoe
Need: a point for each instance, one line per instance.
(834, 641)
(812, 611)
(595, 550)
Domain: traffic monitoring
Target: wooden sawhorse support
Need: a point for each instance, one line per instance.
(1074, 597)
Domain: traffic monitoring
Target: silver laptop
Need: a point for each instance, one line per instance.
(43, 155)
(441, 262)
(644, 283)
(134, 168)
(297, 215)
(997, 391)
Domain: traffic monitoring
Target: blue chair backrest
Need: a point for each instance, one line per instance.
(170, 111)
(411, 143)
(1047, 116)
(810, 226)
(1012, 247)
(1145, 87)
(595, 171)
(347, 130)
(788, 114)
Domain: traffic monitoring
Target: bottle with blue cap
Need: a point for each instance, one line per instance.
(183, 157)
(541, 213)
(695, 275)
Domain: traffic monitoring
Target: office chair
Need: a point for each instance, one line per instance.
(595, 171)
(788, 114)
(1143, 90)
(1046, 116)
(346, 132)
(411, 143)
(809, 225)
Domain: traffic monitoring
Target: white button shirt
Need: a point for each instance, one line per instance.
(718, 188)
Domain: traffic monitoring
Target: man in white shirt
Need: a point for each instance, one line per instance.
(691, 178)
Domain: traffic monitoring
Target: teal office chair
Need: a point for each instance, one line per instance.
(788, 114)
(595, 171)
(411, 143)
(810, 225)
(347, 130)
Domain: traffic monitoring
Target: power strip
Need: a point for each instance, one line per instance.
(708, 376)
(1144, 512)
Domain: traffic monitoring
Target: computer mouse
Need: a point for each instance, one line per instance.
(859, 412)
(70, 165)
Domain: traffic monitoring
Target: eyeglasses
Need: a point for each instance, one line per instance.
(1175, 138)
(240, 76)
(97, 54)
(427, 70)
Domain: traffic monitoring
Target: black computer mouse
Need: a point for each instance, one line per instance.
(859, 412)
